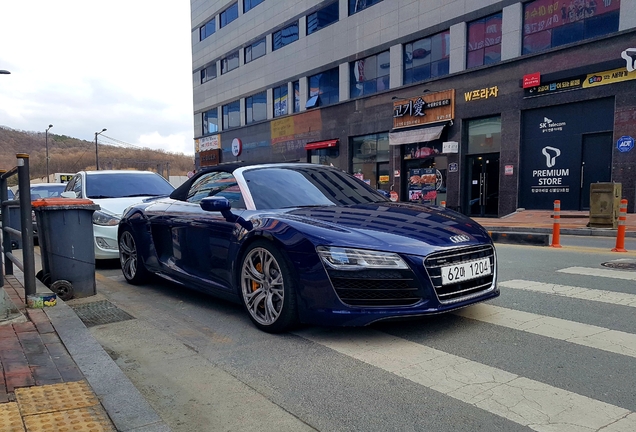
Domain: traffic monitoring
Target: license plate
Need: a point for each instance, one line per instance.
(466, 271)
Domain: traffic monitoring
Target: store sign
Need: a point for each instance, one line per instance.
(450, 147)
(421, 110)
(209, 158)
(581, 81)
(629, 55)
(211, 142)
(480, 94)
(625, 144)
(531, 80)
(547, 125)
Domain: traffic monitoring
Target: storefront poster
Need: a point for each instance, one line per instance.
(421, 150)
(422, 185)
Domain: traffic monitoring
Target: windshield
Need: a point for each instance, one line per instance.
(44, 191)
(121, 185)
(303, 186)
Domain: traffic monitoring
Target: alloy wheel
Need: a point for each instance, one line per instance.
(128, 255)
(262, 286)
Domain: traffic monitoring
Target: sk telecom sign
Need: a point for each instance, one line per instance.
(531, 80)
(421, 110)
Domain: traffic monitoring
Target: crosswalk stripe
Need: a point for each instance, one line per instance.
(530, 403)
(588, 271)
(555, 328)
(611, 297)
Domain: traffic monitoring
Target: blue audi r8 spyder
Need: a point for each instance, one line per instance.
(307, 243)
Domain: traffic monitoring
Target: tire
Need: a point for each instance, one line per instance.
(132, 265)
(266, 288)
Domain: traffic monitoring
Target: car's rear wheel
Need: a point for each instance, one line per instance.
(267, 288)
(132, 265)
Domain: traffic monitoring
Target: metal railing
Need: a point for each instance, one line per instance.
(26, 231)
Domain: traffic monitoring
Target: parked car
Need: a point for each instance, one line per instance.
(42, 190)
(308, 243)
(114, 191)
(10, 196)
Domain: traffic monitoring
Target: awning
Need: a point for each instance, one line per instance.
(321, 144)
(416, 135)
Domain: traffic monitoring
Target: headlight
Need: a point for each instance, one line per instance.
(103, 218)
(340, 258)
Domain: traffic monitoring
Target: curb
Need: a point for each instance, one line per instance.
(523, 238)
(592, 232)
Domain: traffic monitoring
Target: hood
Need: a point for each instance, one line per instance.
(117, 206)
(392, 226)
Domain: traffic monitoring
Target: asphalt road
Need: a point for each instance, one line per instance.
(555, 352)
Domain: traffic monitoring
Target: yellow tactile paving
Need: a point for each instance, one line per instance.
(55, 397)
(87, 419)
(10, 420)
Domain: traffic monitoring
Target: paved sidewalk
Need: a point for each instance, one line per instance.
(54, 376)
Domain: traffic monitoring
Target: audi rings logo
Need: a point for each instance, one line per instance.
(459, 238)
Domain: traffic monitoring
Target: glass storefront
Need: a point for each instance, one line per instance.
(425, 168)
(482, 166)
(370, 160)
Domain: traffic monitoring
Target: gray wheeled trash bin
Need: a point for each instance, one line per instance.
(65, 231)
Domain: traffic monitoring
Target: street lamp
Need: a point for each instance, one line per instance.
(96, 153)
(46, 135)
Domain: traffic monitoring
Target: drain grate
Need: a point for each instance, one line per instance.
(620, 265)
(100, 312)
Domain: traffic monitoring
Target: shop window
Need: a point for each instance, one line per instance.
(427, 58)
(232, 115)
(484, 135)
(370, 158)
(284, 36)
(255, 50)
(256, 107)
(322, 18)
(207, 29)
(370, 75)
(324, 88)
(484, 41)
(209, 73)
(228, 15)
(211, 121)
(326, 156)
(296, 86)
(250, 4)
(358, 5)
(280, 101)
(548, 23)
(230, 62)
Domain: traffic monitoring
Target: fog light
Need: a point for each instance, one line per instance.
(105, 243)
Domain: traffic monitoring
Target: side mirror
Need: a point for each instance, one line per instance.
(215, 204)
(68, 194)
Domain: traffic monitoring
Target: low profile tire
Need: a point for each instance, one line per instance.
(132, 266)
(267, 288)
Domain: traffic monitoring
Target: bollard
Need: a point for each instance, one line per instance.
(557, 225)
(443, 203)
(620, 235)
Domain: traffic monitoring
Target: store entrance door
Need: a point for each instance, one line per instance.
(483, 184)
(596, 164)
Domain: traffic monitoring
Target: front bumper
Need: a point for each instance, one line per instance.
(105, 240)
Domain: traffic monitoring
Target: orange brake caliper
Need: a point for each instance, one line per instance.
(255, 285)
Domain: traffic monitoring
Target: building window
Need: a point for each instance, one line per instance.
(370, 158)
(548, 24)
(322, 18)
(256, 107)
(484, 41)
(370, 75)
(232, 115)
(207, 29)
(296, 86)
(254, 51)
(230, 62)
(324, 87)
(285, 36)
(228, 15)
(484, 135)
(211, 121)
(209, 73)
(280, 101)
(358, 5)
(426, 58)
(250, 4)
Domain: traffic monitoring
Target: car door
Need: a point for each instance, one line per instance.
(201, 240)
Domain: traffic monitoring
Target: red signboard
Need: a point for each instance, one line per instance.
(531, 80)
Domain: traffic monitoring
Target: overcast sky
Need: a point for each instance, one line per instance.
(85, 65)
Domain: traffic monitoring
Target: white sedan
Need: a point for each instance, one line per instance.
(114, 191)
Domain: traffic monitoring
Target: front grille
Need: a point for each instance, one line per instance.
(456, 292)
(375, 288)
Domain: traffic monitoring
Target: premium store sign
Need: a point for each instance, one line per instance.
(421, 110)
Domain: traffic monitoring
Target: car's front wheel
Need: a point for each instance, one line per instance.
(267, 288)
(132, 265)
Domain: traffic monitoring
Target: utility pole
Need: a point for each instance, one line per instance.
(46, 140)
(96, 152)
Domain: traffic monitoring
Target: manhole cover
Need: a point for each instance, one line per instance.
(100, 312)
(620, 265)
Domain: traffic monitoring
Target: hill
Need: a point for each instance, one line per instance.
(69, 155)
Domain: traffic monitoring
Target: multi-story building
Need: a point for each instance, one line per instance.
(487, 105)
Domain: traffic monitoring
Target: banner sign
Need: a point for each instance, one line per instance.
(421, 110)
(581, 81)
(211, 142)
